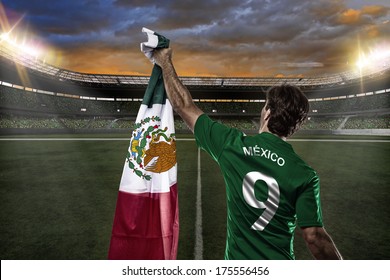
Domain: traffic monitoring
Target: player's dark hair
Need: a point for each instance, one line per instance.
(289, 108)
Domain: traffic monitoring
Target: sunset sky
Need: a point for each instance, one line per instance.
(209, 38)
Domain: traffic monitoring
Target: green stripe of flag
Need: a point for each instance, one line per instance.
(155, 92)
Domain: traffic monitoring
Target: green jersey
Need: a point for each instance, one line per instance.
(269, 189)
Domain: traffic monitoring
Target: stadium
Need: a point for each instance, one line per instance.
(64, 136)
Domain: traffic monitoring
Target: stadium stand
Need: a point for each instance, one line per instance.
(9, 121)
(352, 104)
(28, 109)
(378, 122)
(60, 99)
(326, 123)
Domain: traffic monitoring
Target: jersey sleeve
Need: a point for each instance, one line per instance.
(308, 205)
(211, 136)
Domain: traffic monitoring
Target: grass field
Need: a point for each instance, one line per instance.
(58, 196)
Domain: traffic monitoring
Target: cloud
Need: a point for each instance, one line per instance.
(366, 15)
(375, 11)
(351, 16)
(209, 37)
(64, 17)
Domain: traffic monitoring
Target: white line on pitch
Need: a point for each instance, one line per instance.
(198, 252)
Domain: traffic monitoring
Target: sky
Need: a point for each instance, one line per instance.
(230, 38)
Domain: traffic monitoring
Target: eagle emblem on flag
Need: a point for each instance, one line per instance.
(151, 148)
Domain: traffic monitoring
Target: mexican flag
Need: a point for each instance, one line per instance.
(146, 222)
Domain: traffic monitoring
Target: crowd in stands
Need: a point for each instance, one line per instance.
(33, 101)
(75, 123)
(240, 108)
(28, 109)
(363, 103)
(379, 122)
(322, 123)
(244, 124)
(18, 99)
(7, 121)
(123, 123)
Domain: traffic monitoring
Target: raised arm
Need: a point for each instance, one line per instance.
(320, 244)
(178, 94)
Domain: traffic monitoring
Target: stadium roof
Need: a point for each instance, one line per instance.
(13, 56)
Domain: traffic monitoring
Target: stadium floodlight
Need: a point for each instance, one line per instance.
(4, 36)
(378, 57)
(362, 61)
(23, 48)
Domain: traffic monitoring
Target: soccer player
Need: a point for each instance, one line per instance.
(269, 188)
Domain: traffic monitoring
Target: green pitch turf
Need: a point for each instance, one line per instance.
(57, 198)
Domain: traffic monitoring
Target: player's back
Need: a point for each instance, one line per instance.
(265, 179)
(267, 187)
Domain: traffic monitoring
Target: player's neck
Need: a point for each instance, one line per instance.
(265, 129)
